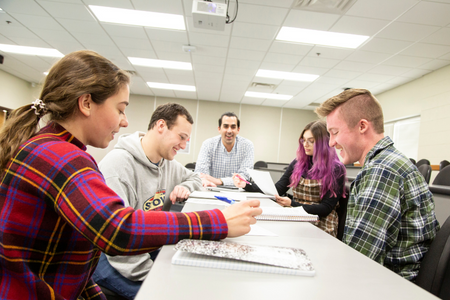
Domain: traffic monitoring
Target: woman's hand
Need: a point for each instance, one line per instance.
(240, 216)
(284, 201)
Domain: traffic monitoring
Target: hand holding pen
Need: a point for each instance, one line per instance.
(239, 181)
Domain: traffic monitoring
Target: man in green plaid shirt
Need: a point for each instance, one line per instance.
(390, 213)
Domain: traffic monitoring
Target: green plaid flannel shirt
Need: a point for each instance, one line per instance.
(390, 214)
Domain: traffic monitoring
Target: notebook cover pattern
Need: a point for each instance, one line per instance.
(234, 256)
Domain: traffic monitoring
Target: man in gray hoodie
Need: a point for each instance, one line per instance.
(141, 170)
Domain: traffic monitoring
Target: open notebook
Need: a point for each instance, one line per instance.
(286, 214)
(234, 256)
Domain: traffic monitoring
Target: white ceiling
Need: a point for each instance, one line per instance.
(408, 39)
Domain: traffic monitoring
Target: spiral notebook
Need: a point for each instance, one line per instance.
(234, 256)
(286, 214)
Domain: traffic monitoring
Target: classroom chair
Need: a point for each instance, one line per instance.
(341, 210)
(190, 166)
(413, 161)
(425, 170)
(443, 164)
(260, 164)
(434, 273)
(443, 177)
(423, 161)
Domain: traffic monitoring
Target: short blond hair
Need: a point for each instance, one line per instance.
(355, 104)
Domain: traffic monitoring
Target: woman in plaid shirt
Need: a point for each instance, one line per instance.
(57, 213)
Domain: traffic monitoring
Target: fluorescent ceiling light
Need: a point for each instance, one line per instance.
(286, 75)
(138, 17)
(30, 50)
(268, 96)
(45, 73)
(317, 37)
(158, 63)
(169, 86)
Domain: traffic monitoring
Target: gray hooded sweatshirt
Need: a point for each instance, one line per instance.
(142, 185)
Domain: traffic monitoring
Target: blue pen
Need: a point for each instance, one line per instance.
(225, 199)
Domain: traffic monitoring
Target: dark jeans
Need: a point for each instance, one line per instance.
(108, 277)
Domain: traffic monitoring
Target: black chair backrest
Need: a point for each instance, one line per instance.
(413, 161)
(342, 212)
(423, 161)
(260, 164)
(190, 166)
(434, 273)
(443, 177)
(425, 170)
(443, 164)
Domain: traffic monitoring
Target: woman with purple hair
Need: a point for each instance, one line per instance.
(316, 176)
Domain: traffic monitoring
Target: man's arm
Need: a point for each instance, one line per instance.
(190, 182)
(374, 213)
(247, 155)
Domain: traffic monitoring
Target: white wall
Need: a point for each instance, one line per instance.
(429, 97)
(14, 92)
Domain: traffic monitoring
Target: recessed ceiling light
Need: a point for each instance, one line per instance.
(268, 96)
(286, 75)
(138, 17)
(158, 63)
(318, 37)
(169, 86)
(30, 50)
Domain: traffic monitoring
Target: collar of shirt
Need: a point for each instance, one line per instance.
(381, 145)
(233, 150)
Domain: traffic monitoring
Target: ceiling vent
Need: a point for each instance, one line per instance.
(326, 6)
(262, 87)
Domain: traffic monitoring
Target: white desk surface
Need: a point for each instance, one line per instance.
(341, 272)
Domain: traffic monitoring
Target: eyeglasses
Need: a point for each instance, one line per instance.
(309, 142)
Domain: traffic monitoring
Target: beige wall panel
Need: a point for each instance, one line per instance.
(293, 122)
(429, 97)
(14, 92)
(261, 124)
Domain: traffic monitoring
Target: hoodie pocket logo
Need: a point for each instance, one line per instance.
(156, 202)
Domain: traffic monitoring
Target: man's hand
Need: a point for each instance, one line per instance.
(284, 201)
(238, 182)
(240, 216)
(179, 193)
(216, 181)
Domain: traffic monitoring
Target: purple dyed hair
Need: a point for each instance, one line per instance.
(326, 166)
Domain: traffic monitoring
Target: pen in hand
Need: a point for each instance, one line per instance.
(240, 177)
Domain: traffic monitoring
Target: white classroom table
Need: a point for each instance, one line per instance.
(341, 272)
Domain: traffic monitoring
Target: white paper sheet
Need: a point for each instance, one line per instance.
(264, 181)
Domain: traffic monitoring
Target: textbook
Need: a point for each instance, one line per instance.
(286, 214)
(235, 256)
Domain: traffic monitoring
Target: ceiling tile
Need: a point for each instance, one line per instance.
(278, 3)
(318, 62)
(208, 60)
(29, 7)
(204, 68)
(135, 32)
(426, 50)
(241, 63)
(166, 6)
(354, 66)
(406, 61)
(197, 39)
(167, 35)
(37, 22)
(442, 37)
(250, 13)
(428, 13)
(274, 103)
(380, 9)
(67, 10)
(310, 20)
(246, 54)
(255, 31)
(435, 64)
(249, 44)
(385, 45)
(378, 78)
(368, 57)
(389, 70)
(406, 31)
(290, 48)
(358, 25)
(280, 58)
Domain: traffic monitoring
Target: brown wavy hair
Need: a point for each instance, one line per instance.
(78, 73)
